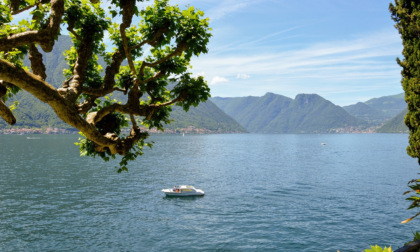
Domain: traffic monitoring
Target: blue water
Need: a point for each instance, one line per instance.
(263, 193)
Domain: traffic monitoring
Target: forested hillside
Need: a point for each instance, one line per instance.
(32, 113)
(391, 105)
(254, 113)
(395, 125)
(376, 111)
(271, 113)
(205, 116)
(365, 112)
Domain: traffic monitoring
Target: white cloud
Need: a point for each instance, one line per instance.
(361, 58)
(364, 63)
(243, 76)
(218, 79)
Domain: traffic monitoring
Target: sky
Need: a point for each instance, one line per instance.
(343, 50)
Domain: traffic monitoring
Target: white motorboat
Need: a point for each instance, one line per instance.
(183, 190)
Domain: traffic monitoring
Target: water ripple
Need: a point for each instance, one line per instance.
(263, 193)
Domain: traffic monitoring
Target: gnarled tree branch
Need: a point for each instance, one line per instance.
(109, 78)
(75, 102)
(65, 111)
(181, 47)
(5, 112)
(37, 65)
(45, 37)
(128, 12)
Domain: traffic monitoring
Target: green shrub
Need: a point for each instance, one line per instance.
(376, 248)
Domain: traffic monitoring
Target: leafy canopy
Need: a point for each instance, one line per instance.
(146, 63)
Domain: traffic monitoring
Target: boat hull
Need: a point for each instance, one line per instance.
(170, 192)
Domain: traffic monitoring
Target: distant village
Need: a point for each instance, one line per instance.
(188, 130)
(27, 131)
(356, 130)
(51, 131)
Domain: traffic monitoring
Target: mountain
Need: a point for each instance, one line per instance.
(253, 113)
(310, 113)
(395, 125)
(365, 112)
(387, 112)
(271, 113)
(205, 116)
(32, 113)
(390, 105)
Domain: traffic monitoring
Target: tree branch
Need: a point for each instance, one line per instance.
(109, 79)
(181, 47)
(74, 33)
(65, 110)
(14, 6)
(84, 107)
(128, 12)
(138, 46)
(178, 99)
(154, 77)
(102, 131)
(95, 117)
(133, 121)
(84, 53)
(37, 65)
(112, 70)
(99, 92)
(45, 37)
(47, 94)
(5, 112)
(17, 11)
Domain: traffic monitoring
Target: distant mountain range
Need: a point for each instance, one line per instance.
(386, 113)
(271, 113)
(367, 113)
(310, 113)
(389, 105)
(378, 110)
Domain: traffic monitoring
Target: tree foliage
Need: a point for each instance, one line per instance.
(406, 14)
(158, 50)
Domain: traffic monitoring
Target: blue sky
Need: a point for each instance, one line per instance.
(343, 50)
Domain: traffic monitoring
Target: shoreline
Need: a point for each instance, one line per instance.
(60, 131)
(188, 130)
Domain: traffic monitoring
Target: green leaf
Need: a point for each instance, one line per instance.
(376, 248)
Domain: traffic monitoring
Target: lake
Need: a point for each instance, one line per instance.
(263, 193)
